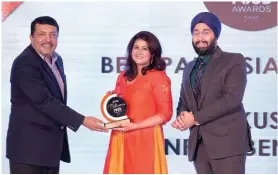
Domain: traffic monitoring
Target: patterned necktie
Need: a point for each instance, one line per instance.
(198, 80)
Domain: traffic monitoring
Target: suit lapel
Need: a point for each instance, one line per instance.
(212, 64)
(52, 76)
(189, 92)
(61, 71)
(47, 70)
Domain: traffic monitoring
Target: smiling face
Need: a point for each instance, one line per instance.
(203, 39)
(44, 39)
(140, 53)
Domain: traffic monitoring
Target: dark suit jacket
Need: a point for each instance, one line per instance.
(37, 133)
(220, 113)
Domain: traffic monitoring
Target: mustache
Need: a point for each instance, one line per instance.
(47, 43)
(198, 42)
(206, 50)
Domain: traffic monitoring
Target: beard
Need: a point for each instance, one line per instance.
(207, 50)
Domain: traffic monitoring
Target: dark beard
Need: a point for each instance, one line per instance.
(205, 51)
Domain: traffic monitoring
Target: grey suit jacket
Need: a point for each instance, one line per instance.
(220, 113)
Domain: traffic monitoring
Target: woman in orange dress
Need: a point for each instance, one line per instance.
(138, 147)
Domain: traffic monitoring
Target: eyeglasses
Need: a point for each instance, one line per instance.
(204, 33)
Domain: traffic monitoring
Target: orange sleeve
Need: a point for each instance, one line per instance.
(163, 96)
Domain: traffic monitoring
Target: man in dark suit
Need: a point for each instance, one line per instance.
(37, 135)
(210, 103)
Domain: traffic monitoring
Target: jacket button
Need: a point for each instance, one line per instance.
(62, 127)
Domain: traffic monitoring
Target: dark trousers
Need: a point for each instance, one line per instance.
(19, 168)
(229, 165)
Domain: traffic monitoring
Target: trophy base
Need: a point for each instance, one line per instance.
(116, 124)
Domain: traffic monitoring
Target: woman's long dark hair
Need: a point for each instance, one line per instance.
(155, 49)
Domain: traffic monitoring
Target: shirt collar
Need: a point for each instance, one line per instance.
(54, 58)
(205, 58)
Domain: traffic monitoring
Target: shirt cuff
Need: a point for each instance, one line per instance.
(196, 123)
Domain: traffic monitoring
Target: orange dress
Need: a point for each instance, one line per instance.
(141, 151)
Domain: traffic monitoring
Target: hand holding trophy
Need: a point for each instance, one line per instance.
(114, 109)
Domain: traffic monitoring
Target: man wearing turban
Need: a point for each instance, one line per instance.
(210, 102)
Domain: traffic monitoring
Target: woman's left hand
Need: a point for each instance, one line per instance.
(127, 127)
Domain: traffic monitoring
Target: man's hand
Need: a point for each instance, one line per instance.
(189, 119)
(179, 123)
(94, 124)
(184, 121)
